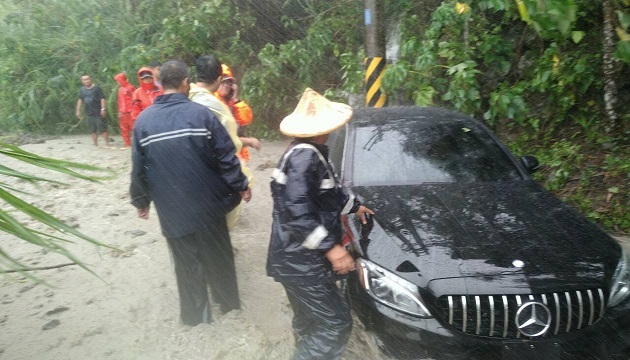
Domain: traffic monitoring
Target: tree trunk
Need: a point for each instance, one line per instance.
(609, 69)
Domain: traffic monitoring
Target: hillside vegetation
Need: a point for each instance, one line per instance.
(551, 77)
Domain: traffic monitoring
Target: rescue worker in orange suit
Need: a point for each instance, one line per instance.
(242, 112)
(146, 93)
(125, 98)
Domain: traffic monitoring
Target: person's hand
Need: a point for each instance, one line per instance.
(235, 92)
(340, 259)
(102, 113)
(78, 114)
(143, 213)
(246, 195)
(361, 213)
(255, 143)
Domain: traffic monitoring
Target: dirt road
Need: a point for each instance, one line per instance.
(131, 310)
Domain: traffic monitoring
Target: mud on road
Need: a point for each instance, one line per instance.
(129, 309)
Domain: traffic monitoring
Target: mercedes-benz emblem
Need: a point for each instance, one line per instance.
(533, 319)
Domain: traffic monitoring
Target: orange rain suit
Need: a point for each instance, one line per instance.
(125, 98)
(145, 94)
(241, 110)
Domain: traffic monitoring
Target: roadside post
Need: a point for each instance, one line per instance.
(375, 61)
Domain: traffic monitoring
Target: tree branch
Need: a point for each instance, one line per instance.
(512, 73)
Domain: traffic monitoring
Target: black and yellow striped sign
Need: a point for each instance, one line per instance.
(374, 69)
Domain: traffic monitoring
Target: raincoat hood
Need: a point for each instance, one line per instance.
(121, 79)
(146, 85)
(144, 69)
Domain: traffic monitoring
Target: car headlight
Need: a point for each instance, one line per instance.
(390, 289)
(620, 289)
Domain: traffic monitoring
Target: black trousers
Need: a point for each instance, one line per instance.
(205, 259)
(321, 320)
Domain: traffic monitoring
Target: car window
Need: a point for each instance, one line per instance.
(335, 143)
(415, 151)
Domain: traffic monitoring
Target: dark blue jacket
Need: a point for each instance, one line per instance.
(184, 161)
(307, 202)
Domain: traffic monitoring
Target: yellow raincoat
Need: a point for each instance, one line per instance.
(220, 109)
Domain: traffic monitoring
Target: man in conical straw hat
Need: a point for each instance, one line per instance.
(305, 252)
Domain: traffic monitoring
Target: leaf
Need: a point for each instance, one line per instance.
(5, 171)
(624, 18)
(623, 35)
(623, 51)
(10, 225)
(424, 96)
(577, 36)
(522, 10)
(43, 217)
(613, 190)
(462, 8)
(457, 68)
(48, 163)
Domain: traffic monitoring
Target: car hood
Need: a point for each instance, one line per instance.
(446, 236)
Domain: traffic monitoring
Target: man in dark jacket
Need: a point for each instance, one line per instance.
(305, 251)
(184, 161)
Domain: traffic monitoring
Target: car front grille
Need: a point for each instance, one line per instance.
(495, 315)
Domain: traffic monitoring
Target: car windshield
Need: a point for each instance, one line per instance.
(421, 150)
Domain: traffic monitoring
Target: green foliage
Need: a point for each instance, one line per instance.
(560, 164)
(353, 71)
(529, 68)
(443, 65)
(617, 165)
(623, 46)
(48, 49)
(580, 175)
(324, 59)
(550, 18)
(623, 51)
(509, 102)
(50, 46)
(463, 89)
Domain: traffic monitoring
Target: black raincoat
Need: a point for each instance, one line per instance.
(183, 160)
(308, 200)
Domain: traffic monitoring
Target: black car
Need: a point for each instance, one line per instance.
(466, 255)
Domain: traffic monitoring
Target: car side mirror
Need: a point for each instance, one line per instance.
(531, 163)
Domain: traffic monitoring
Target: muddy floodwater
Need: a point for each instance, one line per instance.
(128, 309)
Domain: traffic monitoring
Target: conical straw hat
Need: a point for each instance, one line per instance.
(315, 115)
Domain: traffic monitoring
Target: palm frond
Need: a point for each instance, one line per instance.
(12, 188)
(6, 171)
(6, 261)
(61, 166)
(44, 217)
(10, 225)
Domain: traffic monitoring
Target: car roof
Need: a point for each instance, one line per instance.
(374, 116)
